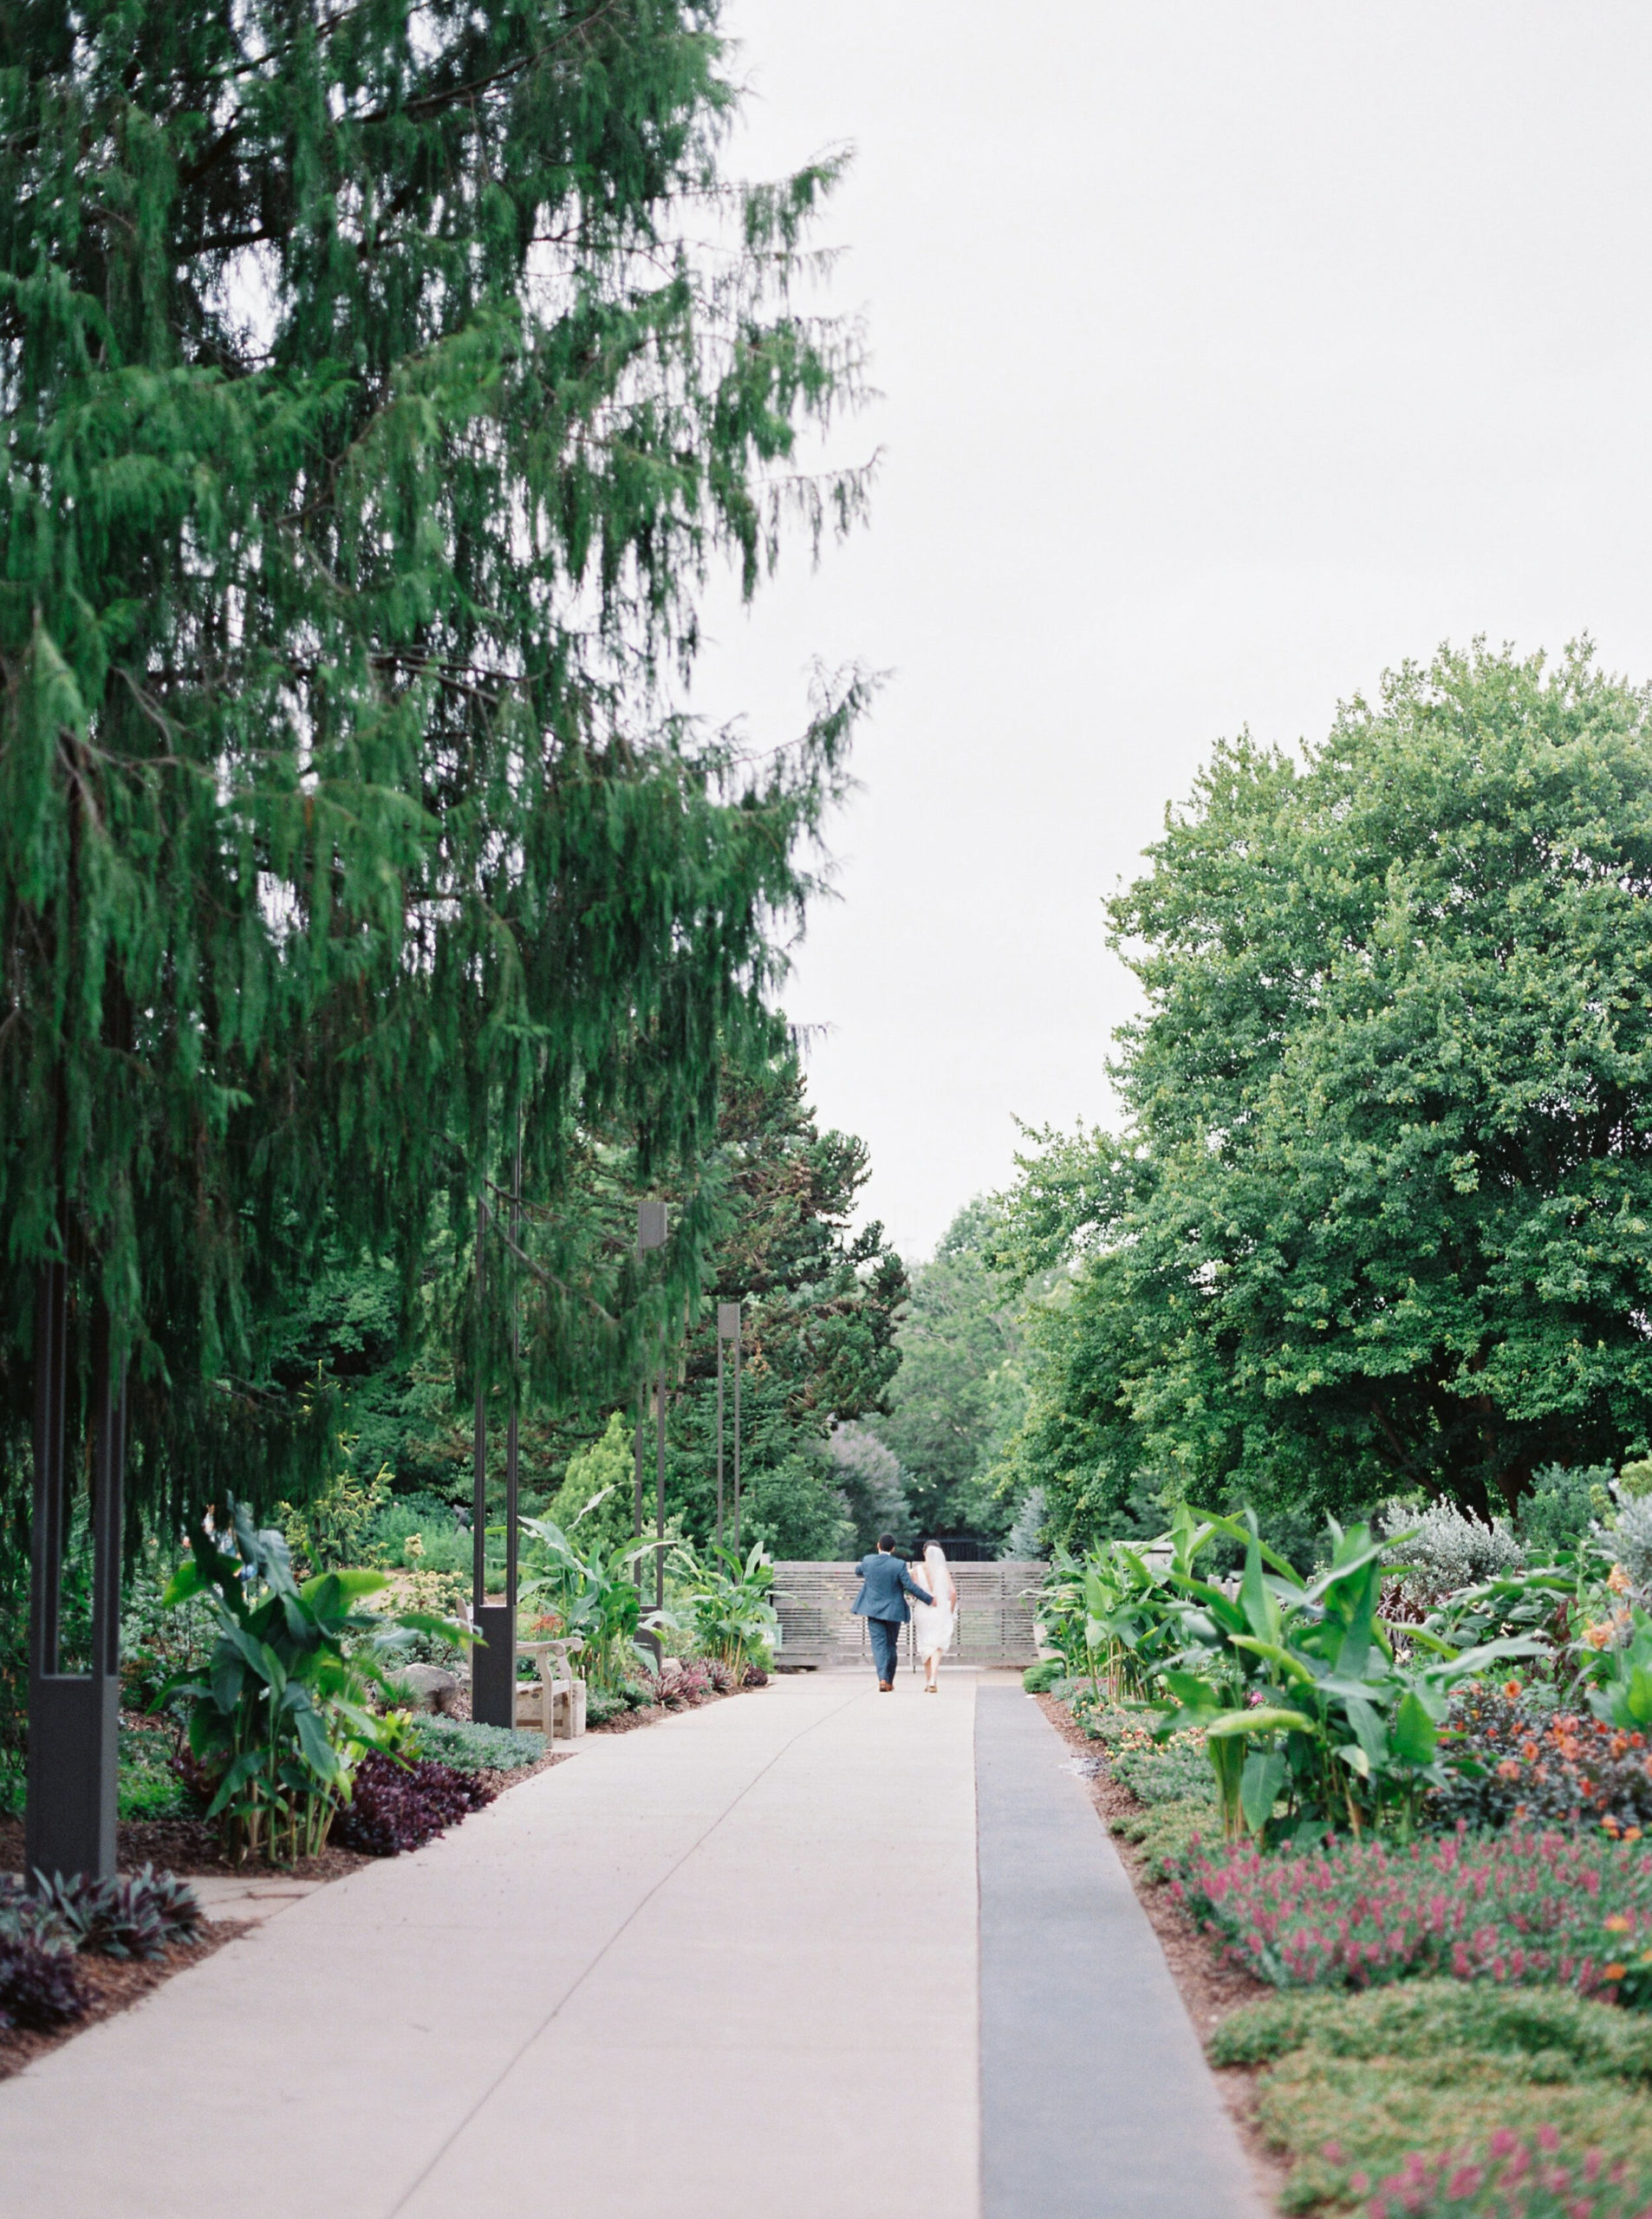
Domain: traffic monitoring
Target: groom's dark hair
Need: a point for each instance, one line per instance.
(885, 1540)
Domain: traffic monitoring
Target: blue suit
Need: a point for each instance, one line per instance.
(885, 1585)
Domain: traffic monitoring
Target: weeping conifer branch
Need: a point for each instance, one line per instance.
(350, 530)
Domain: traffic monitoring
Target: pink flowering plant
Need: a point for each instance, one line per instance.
(1522, 1907)
(1515, 2177)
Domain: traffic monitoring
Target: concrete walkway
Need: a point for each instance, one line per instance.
(728, 1967)
(1096, 2097)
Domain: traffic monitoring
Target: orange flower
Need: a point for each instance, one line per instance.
(1508, 1769)
(1598, 1637)
(1511, 1688)
(1614, 1972)
(1618, 1924)
(1618, 1580)
(1631, 1834)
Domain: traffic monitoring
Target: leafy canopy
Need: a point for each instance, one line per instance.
(1380, 1215)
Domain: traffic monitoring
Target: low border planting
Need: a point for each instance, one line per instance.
(1429, 1832)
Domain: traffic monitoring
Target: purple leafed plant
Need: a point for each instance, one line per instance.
(395, 1806)
(39, 1988)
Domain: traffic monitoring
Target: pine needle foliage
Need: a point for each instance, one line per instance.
(379, 384)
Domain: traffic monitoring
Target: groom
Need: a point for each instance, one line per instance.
(885, 1584)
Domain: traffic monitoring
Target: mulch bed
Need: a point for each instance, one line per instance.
(190, 1847)
(628, 1721)
(1209, 1989)
(114, 1983)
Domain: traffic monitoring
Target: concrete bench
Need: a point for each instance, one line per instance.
(557, 1706)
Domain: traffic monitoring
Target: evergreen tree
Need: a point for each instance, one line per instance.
(818, 1326)
(371, 422)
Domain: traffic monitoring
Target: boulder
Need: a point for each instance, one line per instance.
(427, 1687)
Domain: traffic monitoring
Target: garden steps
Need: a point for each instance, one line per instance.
(815, 1602)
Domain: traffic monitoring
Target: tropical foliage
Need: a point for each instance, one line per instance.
(593, 1596)
(725, 1599)
(280, 1715)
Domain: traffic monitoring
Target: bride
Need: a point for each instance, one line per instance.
(934, 1624)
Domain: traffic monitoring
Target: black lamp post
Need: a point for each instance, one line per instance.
(493, 1668)
(728, 1328)
(73, 1717)
(651, 1234)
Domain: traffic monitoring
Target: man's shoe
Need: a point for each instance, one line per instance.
(885, 1686)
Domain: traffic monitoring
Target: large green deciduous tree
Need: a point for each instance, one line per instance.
(1382, 1215)
(379, 384)
(960, 1391)
(820, 1303)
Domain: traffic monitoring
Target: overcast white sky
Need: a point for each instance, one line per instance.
(1230, 352)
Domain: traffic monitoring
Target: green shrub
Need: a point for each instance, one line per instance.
(1565, 1502)
(1168, 1833)
(470, 1748)
(601, 1705)
(158, 1641)
(1040, 1679)
(330, 1532)
(151, 1791)
(1561, 2036)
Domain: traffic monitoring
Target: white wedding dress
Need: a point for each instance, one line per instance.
(934, 1624)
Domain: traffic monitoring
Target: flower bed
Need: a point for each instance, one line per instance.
(1523, 1906)
(1545, 1764)
(1173, 1769)
(395, 1806)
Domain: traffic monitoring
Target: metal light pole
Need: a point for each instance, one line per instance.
(73, 1718)
(660, 1483)
(493, 1666)
(737, 1427)
(651, 1234)
(728, 1328)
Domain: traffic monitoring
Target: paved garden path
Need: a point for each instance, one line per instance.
(735, 1967)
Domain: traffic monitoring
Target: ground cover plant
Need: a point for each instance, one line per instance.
(464, 1746)
(1464, 2093)
(1167, 1768)
(44, 1928)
